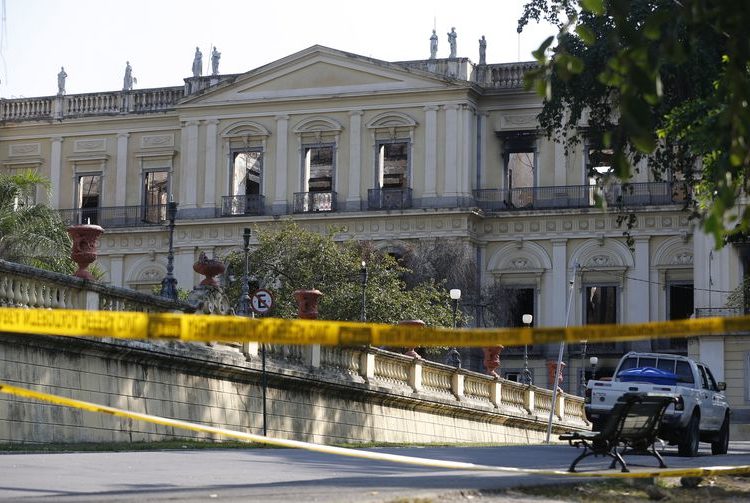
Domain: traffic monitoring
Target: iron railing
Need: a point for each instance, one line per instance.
(117, 216)
(581, 196)
(252, 204)
(723, 312)
(313, 202)
(389, 199)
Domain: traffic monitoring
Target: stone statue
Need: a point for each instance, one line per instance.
(198, 63)
(452, 35)
(215, 56)
(127, 81)
(61, 81)
(482, 51)
(433, 45)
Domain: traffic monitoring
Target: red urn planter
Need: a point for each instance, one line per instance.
(492, 359)
(413, 350)
(307, 303)
(551, 364)
(84, 238)
(209, 268)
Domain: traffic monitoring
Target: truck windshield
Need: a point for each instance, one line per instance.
(684, 374)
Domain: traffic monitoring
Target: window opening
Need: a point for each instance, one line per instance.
(156, 196)
(319, 168)
(393, 164)
(247, 171)
(89, 191)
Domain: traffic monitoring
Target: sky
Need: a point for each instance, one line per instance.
(93, 39)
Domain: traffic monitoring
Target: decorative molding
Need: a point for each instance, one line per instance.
(157, 141)
(24, 149)
(245, 129)
(90, 145)
(526, 121)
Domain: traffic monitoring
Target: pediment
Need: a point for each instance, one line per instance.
(320, 72)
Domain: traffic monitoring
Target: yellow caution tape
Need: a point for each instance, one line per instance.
(376, 456)
(205, 328)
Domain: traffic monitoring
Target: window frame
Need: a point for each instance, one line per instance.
(233, 153)
(380, 166)
(307, 169)
(584, 293)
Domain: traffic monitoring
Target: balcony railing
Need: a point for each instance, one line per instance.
(242, 205)
(389, 199)
(117, 216)
(723, 312)
(313, 202)
(580, 196)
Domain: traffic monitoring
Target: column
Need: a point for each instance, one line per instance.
(465, 163)
(55, 170)
(356, 166)
(481, 148)
(430, 154)
(637, 301)
(281, 171)
(210, 174)
(121, 170)
(189, 175)
(450, 170)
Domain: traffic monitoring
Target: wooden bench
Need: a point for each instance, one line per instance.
(633, 424)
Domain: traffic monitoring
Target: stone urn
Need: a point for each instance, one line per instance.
(84, 238)
(412, 351)
(307, 303)
(209, 268)
(492, 359)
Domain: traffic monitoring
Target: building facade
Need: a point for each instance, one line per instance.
(439, 149)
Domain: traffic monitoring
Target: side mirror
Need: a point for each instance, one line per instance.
(722, 386)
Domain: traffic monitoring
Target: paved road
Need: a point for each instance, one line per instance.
(277, 475)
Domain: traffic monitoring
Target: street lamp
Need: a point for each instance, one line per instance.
(526, 376)
(169, 283)
(594, 361)
(454, 357)
(363, 281)
(243, 309)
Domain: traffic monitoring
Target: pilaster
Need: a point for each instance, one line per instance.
(210, 174)
(356, 166)
(281, 168)
(430, 155)
(451, 167)
(121, 170)
(56, 170)
(189, 175)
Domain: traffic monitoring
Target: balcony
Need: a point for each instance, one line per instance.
(580, 196)
(314, 202)
(389, 199)
(720, 312)
(252, 204)
(117, 216)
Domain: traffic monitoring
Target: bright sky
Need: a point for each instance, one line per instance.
(93, 39)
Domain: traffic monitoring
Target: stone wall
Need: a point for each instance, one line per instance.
(355, 394)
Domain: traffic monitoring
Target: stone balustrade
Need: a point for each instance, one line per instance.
(24, 286)
(92, 104)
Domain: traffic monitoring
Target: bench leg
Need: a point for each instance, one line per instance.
(658, 456)
(617, 458)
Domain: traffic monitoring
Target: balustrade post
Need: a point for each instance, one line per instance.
(496, 395)
(250, 350)
(367, 365)
(457, 385)
(560, 406)
(528, 399)
(415, 375)
(58, 107)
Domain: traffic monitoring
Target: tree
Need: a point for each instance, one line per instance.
(662, 80)
(289, 258)
(31, 233)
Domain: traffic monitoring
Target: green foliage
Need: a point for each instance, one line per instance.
(31, 233)
(667, 80)
(289, 258)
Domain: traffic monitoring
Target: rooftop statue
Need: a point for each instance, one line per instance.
(198, 63)
(61, 81)
(482, 51)
(215, 56)
(433, 45)
(452, 35)
(127, 80)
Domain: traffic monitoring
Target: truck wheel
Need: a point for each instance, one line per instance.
(721, 444)
(688, 445)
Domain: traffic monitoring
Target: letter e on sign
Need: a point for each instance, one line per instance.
(262, 301)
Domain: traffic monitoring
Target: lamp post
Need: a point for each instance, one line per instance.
(363, 281)
(454, 357)
(527, 319)
(243, 309)
(594, 361)
(169, 283)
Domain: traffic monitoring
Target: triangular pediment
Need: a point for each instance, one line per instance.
(320, 72)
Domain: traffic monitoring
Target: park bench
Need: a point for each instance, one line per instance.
(633, 424)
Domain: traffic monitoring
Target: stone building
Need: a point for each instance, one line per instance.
(439, 149)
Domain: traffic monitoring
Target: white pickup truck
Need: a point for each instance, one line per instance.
(701, 413)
